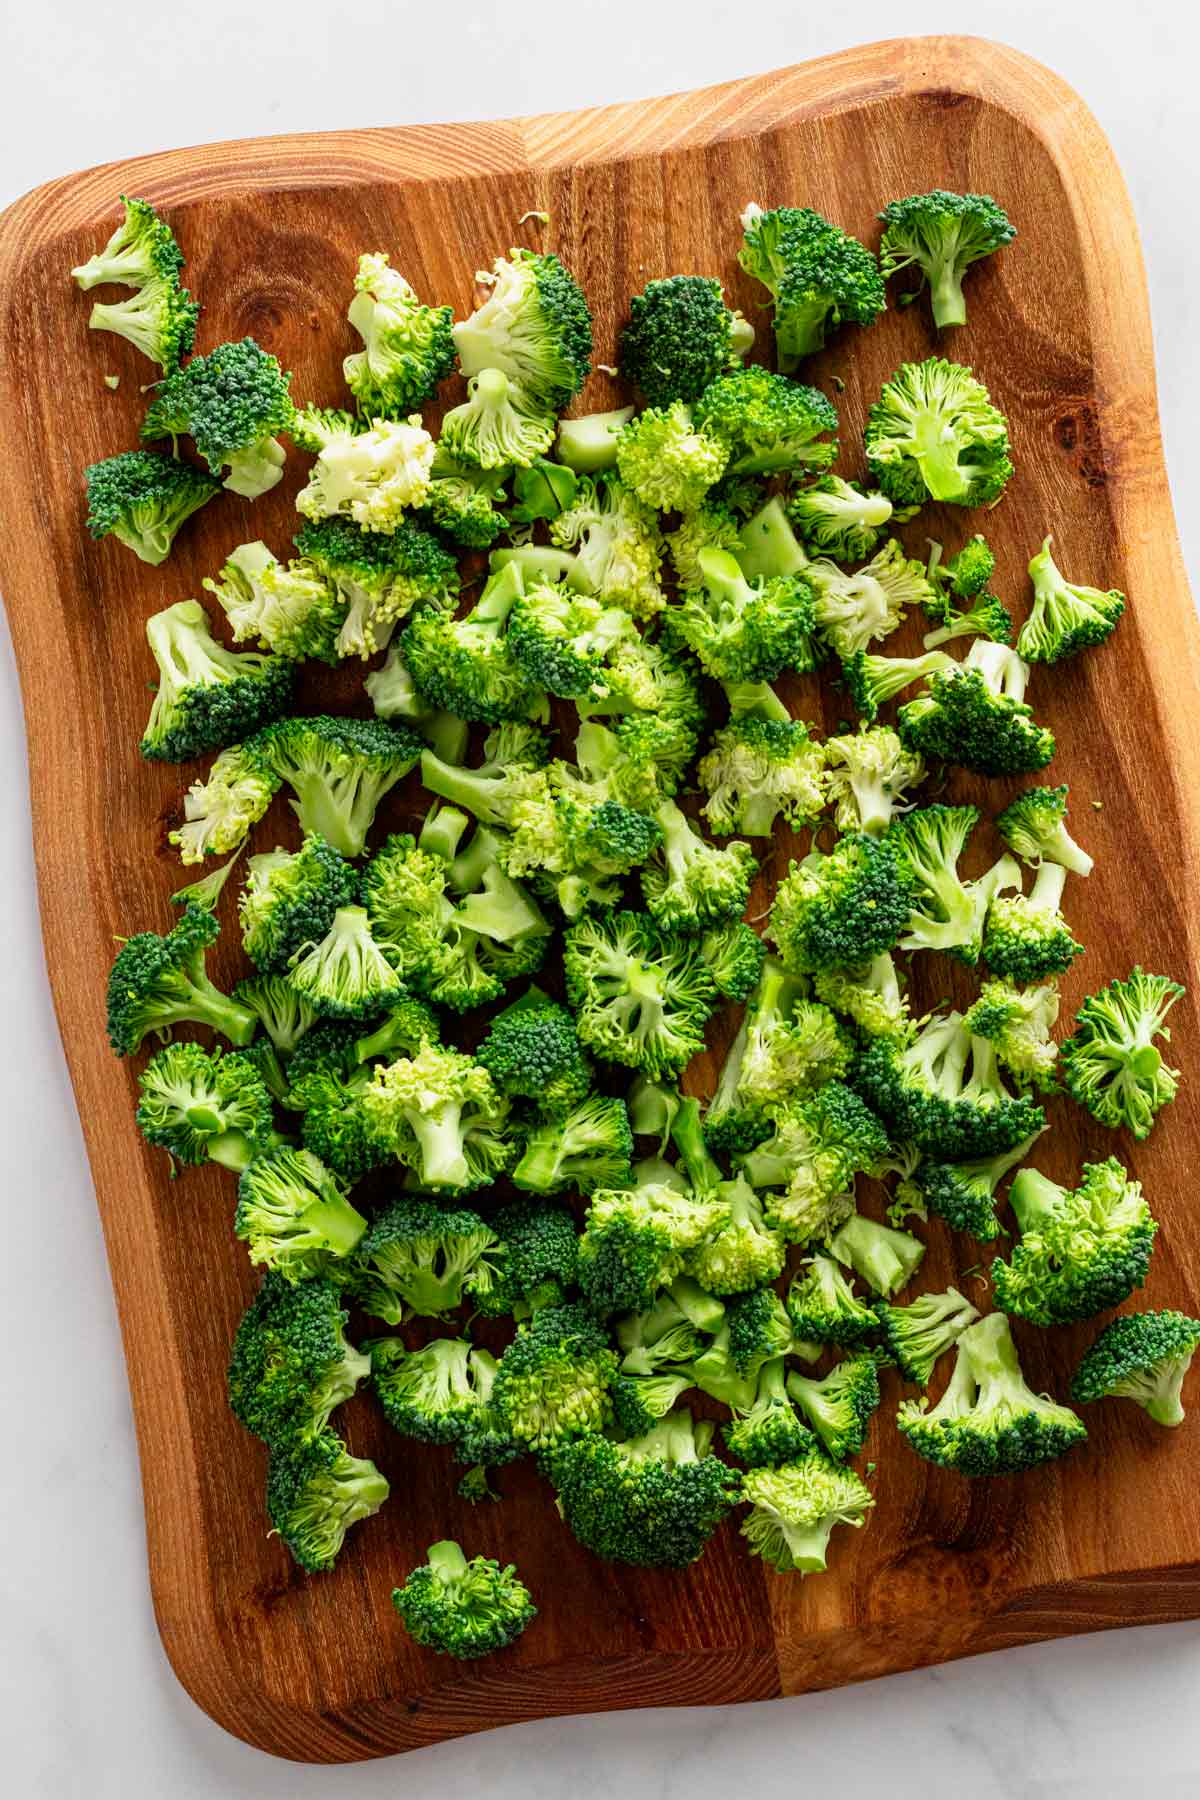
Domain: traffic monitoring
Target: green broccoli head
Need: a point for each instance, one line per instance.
(794, 1508)
(334, 1123)
(814, 1149)
(1018, 1021)
(1026, 937)
(868, 776)
(291, 609)
(770, 1431)
(934, 435)
(498, 426)
(439, 1113)
(290, 900)
(824, 1308)
(219, 812)
(918, 1334)
(158, 982)
(292, 1365)
(770, 425)
(419, 1257)
(839, 910)
(840, 1405)
(839, 518)
(964, 1193)
(709, 526)
(407, 347)
(338, 770)
(204, 1107)
(539, 1257)
(941, 1090)
(372, 477)
(378, 577)
(680, 337)
(554, 1378)
(618, 548)
(142, 500)
(465, 500)
(534, 325)
(641, 995)
(874, 680)
(1081, 1249)
(467, 666)
(207, 697)
(744, 1252)
(1111, 1063)
(870, 996)
(294, 1217)
(1142, 1357)
(1034, 826)
(563, 640)
(463, 1608)
(757, 770)
(1067, 617)
(734, 954)
(315, 1492)
(230, 402)
(667, 460)
(854, 610)
(941, 235)
(742, 630)
(406, 1028)
(587, 1146)
(974, 713)
(345, 975)
(141, 248)
(948, 913)
(688, 883)
(159, 319)
(532, 1052)
(638, 1239)
(433, 1393)
(817, 275)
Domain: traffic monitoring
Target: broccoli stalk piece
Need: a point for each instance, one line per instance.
(1111, 1063)
(588, 445)
(638, 1239)
(689, 883)
(203, 1107)
(667, 460)
(141, 248)
(1026, 936)
(142, 500)
(934, 435)
(839, 518)
(534, 325)
(948, 912)
(1034, 826)
(407, 347)
(1081, 1249)
(339, 770)
(823, 1306)
(770, 548)
(346, 975)
(817, 275)
(975, 713)
(759, 769)
(922, 1089)
(680, 337)
(419, 1257)
(839, 1406)
(840, 910)
(769, 1432)
(230, 402)
(463, 1609)
(941, 234)
(963, 1193)
(1018, 1021)
(294, 1217)
(438, 1112)
(794, 1509)
(207, 697)
(989, 1421)
(218, 813)
(641, 995)
(918, 1334)
(1142, 1357)
(884, 1258)
(870, 996)
(771, 425)
(1066, 617)
(292, 1365)
(868, 774)
(158, 982)
(854, 610)
(393, 695)
(315, 1492)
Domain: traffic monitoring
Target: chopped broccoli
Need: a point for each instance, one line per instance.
(539, 1257)
(158, 982)
(587, 1147)
(934, 435)
(393, 695)
(874, 680)
(823, 1306)
(554, 1378)
(371, 478)
(669, 461)
(817, 275)
(743, 1253)
(419, 1257)
(734, 955)
(869, 995)
(918, 1334)
(379, 577)
(665, 1336)
(638, 1239)
(207, 697)
(768, 1432)
(142, 247)
(404, 891)
(964, 1193)
(922, 1090)
(544, 490)
(986, 617)
(315, 1492)
(207, 891)
(1034, 826)
(867, 776)
(941, 234)
(562, 640)
(884, 1258)
(339, 770)
(1067, 617)
(759, 769)
(467, 666)
(1142, 1357)
(498, 426)
(769, 424)
(948, 913)
(1026, 936)
(432, 1394)
(815, 1149)
(641, 995)
(219, 812)
(335, 1125)
(793, 1045)
(588, 445)
(1081, 1249)
(438, 1112)
(463, 1608)
(464, 501)
(294, 1217)
(290, 899)
(142, 500)
(346, 975)
(230, 403)
(292, 610)
(839, 518)
(534, 325)
(1018, 1021)
(854, 610)
(989, 1421)
(291, 1365)
(839, 1406)
(204, 1107)
(680, 337)
(617, 543)
(838, 910)
(1111, 1063)
(975, 713)
(408, 1027)
(689, 883)
(407, 347)
(710, 526)
(159, 319)
(741, 630)
(770, 548)
(532, 1052)
(794, 1508)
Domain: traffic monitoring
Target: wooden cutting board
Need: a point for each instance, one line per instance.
(318, 1670)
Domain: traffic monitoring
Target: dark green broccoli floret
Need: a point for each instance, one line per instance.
(839, 910)
(554, 1377)
(291, 1365)
(818, 276)
(159, 319)
(1081, 1249)
(379, 577)
(466, 666)
(290, 899)
(418, 1257)
(734, 954)
(638, 1239)
(294, 1217)
(291, 609)
(439, 1113)
(207, 697)
(756, 1328)
(203, 1107)
(539, 1257)
(1111, 1063)
(1026, 936)
(142, 246)
(534, 325)
(680, 337)
(563, 640)
(964, 1193)
(1142, 1357)
(839, 518)
(532, 1052)
(408, 1027)
(432, 1393)
(794, 1508)
(143, 499)
(1018, 1021)
(770, 1431)
(667, 460)
(315, 1492)
(464, 501)
(741, 630)
(230, 402)
(884, 1258)
(924, 1092)
(640, 1401)
(1034, 826)
(653, 1501)
(1067, 617)
(158, 982)
(346, 975)
(339, 770)
(975, 713)
(985, 617)
(770, 424)
(941, 234)
(335, 1125)
(839, 1406)
(407, 347)
(934, 435)
(823, 1306)
(463, 1609)
(587, 1147)
(916, 1335)
(989, 1421)
(641, 995)
(757, 770)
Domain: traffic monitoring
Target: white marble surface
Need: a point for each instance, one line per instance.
(88, 1706)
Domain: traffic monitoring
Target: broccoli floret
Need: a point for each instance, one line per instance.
(986, 617)
(142, 500)
(870, 996)
(640, 1401)
(464, 500)
(230, 403)
(393, 695)
(743, 1253)
(680, 337)
(965, 577)
(346, 975)
(964, 1193)
(741, 630)
(667, 460)
(407, 347)
(757, 770)
(817, 275)
(838, 910)
(769, 424)
(207, 891)
(315, 1492)
(141, 248)
(339, 770)
(854, 610)
(534, 325)
(644, 678)
(512, 794)
(407, 1029)
(732, 1123)
(158, 982)
(371, 477)
(989, 1421)
(665, 1336)
(1067, 617)
(589, 1146)
(948, 913)
(1081, 1249)
(438, 1112)
(711, 526)
(868, 775)
(641, 995)
(839, 1406)
(688, 883)
(159, 319)
(769, 1432)
(756, 1329)
(292, 610)
(734, 955)
(907, 1201)
(653, 1501)
(839, 518)
(421, 1258)
(466, 666)
(431, 1394)
(544, 490)
(884, 1258)
(1018, 1021)
(975, 713)
(1034, 826)
(588, 445)
(207, 697)
(498, 425)
(934, 435)
(463, 1608)
(335, 1125)
(219, 812)
(562, 640)
(404, 891)
(1111, 1063)
(1142, 1357)
(918, 1334)
(292, 1365)
(941, 234)
(921, 1089)
(553, 1380)
(637, 1239)
(379, 577)
(294, 1217)
(793, 1045)
(1026, 936)
(617, 543)
(794, 1508)
(874, 680)
(290, 899)
(823, 1306)
(532, 1052)
(632, 764)
(203, 1107)
(539, 1257)
(815, 1149)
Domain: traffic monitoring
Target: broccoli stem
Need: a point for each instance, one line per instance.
(938, 451)
(447, 1561)
(444, 828)
(769, 545)
(945, 289)
(232, 1149)
(207, 1005)
(1033, 1198)
(439, 1138)
(466, 788)
(688, 1135)
(544, 564)
(589, 445)
(1048, 885)
(755, 700)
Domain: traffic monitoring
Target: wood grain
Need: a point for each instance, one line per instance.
(1059, 329)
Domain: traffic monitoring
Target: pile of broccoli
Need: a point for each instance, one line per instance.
(545, 874)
